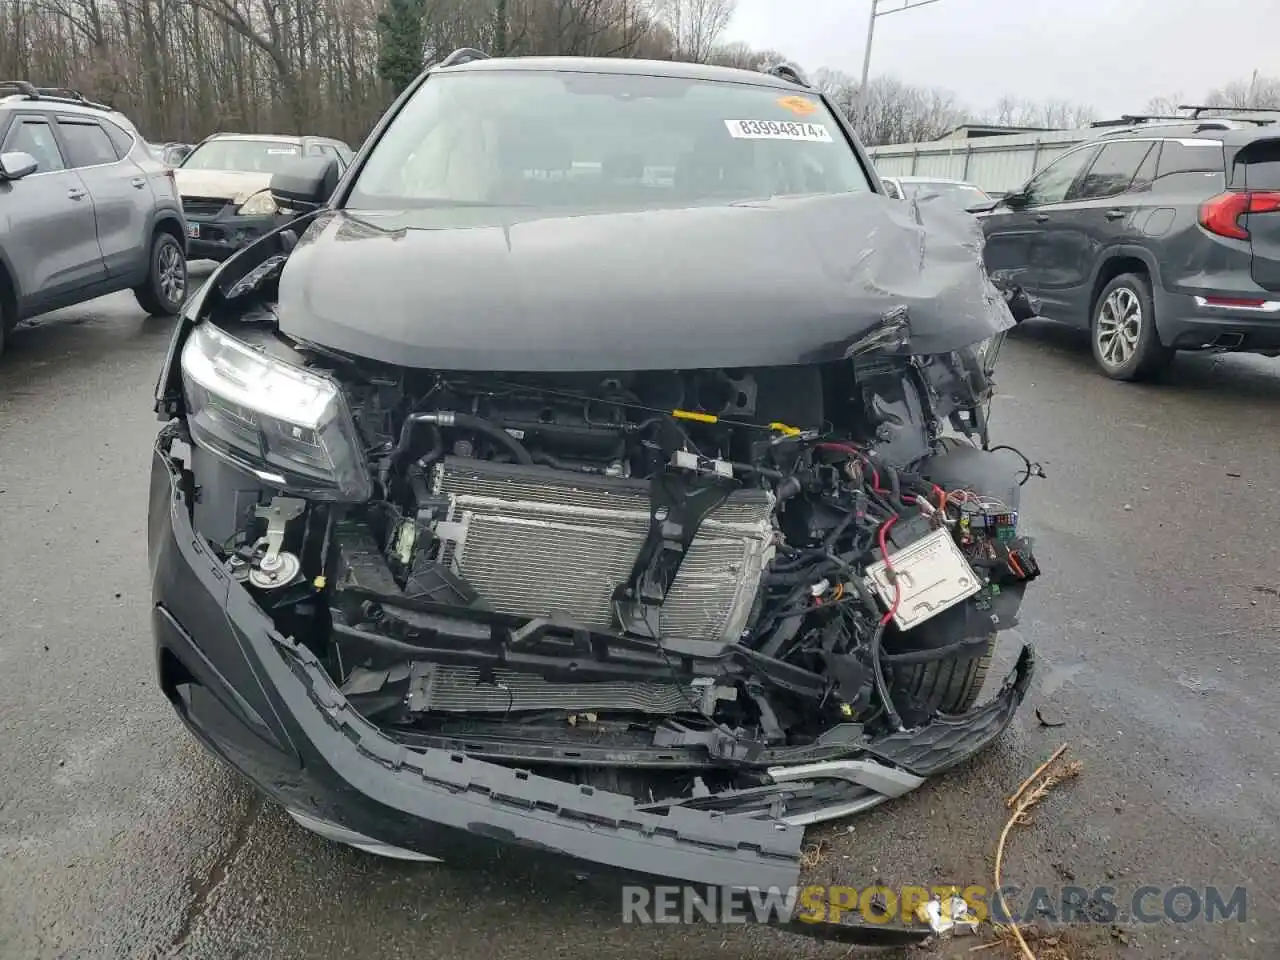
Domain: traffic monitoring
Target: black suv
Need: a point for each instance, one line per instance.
(615, 383)
(1160, 235)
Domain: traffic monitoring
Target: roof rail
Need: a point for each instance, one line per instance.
(1132, 119)
(463, 55)
(786, 71)
(55, 94)
(21, 86)
(1197, 109)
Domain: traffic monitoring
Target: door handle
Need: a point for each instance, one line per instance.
(139, 182)
(1042, 218)
(1115, 214)
(75, 193)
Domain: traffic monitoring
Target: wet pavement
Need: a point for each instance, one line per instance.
(1156, 622)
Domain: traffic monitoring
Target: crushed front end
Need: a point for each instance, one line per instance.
(655, 620)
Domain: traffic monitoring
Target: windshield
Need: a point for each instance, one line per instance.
(962, 194)
(587, 140)
(249, 156)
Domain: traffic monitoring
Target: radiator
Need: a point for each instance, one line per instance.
(535, 541)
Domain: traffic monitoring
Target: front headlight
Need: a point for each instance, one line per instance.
(287, 426)
(261, 204)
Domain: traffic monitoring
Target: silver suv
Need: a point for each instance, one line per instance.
(85, 210)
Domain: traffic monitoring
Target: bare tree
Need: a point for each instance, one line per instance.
(185, 68)
(892, 111)
(1052, 114)
(1165, 106)
(744, 57)
(1257, 91)
(695, 25)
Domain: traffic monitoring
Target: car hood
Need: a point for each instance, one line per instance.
(234, 185)
(764, 283)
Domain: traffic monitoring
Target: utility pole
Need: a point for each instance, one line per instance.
(875, 12)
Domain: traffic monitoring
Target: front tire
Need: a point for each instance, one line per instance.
(951, 686)
(1123, 330)
(164, 291)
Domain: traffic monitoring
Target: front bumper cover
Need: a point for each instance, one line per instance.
(226, 232)
(268, 707)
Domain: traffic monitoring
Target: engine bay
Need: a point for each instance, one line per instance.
(666, 582)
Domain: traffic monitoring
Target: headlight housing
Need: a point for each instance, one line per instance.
(261, 204)
(287, 426)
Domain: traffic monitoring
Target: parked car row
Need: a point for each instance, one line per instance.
(88, 207)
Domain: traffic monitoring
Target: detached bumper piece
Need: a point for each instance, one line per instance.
(875, 770)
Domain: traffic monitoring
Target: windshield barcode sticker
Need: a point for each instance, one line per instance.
(777, 130)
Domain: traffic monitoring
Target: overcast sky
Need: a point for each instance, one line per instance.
(1114, 54)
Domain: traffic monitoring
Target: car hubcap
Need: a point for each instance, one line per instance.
(173, 276)
(1119, 325)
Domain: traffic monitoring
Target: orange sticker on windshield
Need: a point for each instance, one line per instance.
(802, 106)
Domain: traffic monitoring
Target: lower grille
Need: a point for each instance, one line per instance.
(202, 206)
(540, 542)
(444, 689)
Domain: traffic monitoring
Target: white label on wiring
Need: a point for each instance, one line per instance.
(778, 130)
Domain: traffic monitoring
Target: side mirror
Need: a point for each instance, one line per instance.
(306, 184)
(1016, 200)
(986, 206)
(16, 165)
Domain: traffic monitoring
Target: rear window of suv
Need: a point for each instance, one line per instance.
(566, 140)
(1191, 165)
(1257, 166)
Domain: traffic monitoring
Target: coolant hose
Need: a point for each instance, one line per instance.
(447, 418)
(548, 460)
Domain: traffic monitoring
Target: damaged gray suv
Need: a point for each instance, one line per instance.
(600, 468)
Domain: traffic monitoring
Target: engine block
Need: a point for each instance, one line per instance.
(534, 541)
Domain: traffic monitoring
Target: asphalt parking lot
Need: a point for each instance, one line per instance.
(1156, 621)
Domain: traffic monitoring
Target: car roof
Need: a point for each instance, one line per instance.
(1207, 128)
(965, 183)
(273, 137)
(65, 106)
(620, 66)
(293, 139)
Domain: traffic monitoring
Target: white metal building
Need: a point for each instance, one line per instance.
(997, 164)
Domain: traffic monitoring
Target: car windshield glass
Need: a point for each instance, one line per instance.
(561, 140)
(963, 194)
(250, 156)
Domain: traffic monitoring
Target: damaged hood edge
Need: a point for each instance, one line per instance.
(765, 283)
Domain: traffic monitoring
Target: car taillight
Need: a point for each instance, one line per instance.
(1221, 214)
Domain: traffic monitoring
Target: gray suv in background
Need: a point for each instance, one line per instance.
(85, 210)
(1162, 234)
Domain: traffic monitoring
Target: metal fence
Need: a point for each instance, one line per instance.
(996, 164)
